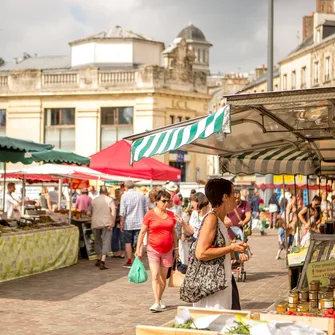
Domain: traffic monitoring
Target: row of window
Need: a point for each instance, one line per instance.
(59, 126)
(201, 55)
(303, 75)
(176, 119)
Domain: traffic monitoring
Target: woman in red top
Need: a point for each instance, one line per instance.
(162, 241)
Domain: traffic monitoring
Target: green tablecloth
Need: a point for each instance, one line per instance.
(31, 252)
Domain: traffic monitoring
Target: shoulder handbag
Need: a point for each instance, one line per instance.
(204, 278)
(246, 228)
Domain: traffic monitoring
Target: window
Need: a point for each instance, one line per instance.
(293, 80)
(187, 118)
(198, 57)
(59, 128)
(316, 73)
(116, 123)
(327, 68)
(276, 87)
(171, 119)
(285, 82)
(303, 77)
(204, 56)
(179, 118)
(2, 122)
(318, 36)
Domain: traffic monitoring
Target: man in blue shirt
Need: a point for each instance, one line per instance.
(133, 207)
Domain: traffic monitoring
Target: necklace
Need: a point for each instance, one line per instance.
(160, 213)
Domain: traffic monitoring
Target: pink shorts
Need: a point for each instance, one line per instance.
(157, 258)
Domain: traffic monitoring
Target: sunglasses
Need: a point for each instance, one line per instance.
(165, 201)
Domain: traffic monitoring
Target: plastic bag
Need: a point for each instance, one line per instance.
(137, 273)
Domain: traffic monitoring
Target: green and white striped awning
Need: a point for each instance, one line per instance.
(179, 137)
(282, 160)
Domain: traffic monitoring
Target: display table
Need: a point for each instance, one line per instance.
(30, 252)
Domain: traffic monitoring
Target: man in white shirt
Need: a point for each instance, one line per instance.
(12, 203)
(103, 220)
(92, 192)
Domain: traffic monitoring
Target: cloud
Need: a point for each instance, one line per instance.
(236, 28)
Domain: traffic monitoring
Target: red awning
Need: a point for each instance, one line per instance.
(115, 160)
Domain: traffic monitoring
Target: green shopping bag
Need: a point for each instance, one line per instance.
(137, 273)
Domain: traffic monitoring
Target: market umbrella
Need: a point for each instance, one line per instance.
(45, 171)
(46, 156)
(16, 144)
(115, 160)
(14, 149)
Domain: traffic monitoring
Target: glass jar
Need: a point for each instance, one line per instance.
(314, 285)
(325, 295)
(303, 307)
(313, 295)
(291, 307)
(326, 303)
(281, 308)
(303, 295)
(331, 281)
(313, 304)
(293, 298)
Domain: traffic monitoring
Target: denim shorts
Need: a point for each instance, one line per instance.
(131, 236)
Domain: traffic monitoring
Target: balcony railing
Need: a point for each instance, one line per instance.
(60, 79)
(3, 81)
(111, 78)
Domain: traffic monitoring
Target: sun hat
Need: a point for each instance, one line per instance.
(171, 186)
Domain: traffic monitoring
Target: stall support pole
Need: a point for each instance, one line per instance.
(286, 239)
(23, 193)
(4, 188)
(307, 191)
(70, 200)
(60, 183)
(297, 230)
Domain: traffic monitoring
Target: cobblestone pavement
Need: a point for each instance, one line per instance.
(84, 300)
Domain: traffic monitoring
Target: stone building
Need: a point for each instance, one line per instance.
(311, 64)
(115, 83)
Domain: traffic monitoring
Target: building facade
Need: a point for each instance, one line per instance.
(115, 83)
(311, 64)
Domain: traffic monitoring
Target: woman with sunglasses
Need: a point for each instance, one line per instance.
(162, 245)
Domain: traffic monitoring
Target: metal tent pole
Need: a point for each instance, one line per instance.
(70, 200)
(4, 188)
(23, 192)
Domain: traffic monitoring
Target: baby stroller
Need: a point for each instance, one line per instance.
(238, 267)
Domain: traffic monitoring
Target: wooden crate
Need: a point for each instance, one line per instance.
(167, 328)
(325, 324)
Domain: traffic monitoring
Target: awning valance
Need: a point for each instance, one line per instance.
(283, 160)
(179, 137)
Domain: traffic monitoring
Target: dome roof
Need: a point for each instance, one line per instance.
(191, 32)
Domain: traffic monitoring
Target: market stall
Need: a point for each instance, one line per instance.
(291, 132)
(37, 248)
(68, 173)
(35, 243)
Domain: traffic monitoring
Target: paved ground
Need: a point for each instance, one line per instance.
(84, 300)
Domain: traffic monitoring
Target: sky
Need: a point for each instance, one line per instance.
(236, 28)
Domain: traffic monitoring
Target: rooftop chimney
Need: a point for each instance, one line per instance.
(260, 71)
(307, 27)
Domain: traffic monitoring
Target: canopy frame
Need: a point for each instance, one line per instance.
(305, 119)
